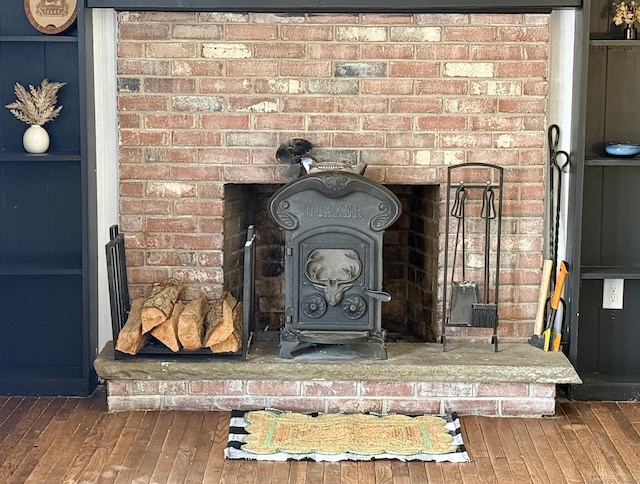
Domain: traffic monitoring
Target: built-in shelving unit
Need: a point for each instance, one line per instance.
(46, 321)
(604, 342)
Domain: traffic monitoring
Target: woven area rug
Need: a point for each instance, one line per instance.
(279, 436)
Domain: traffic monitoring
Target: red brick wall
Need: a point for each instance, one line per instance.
(206, 98)
(411, 397)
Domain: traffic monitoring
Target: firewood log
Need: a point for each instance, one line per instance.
(167, 332)
(212, 319)
(220, 331)
(234, 342)
(158, 307)
(191, 324)
(130, 338)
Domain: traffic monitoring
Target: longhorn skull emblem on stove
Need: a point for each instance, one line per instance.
(332, 271)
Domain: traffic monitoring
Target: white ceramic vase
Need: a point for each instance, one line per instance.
(35, 139)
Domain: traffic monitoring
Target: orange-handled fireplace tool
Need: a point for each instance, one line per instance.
(548, 344)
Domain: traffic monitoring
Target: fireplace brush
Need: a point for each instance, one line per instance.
(485, 315)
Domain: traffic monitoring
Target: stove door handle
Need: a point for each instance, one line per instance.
(379, 295)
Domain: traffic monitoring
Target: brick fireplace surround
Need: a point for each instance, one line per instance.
(204, 100)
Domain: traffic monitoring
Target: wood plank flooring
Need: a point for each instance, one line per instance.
(74, 440)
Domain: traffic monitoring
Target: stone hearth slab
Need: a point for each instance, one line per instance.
(426, 362)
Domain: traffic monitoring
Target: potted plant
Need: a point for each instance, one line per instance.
(36, 106)
(627, 14)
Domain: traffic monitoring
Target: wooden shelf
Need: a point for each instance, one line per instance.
(44, 157)
(35, 269)
(604, 272)
(611, 161)
(614, 43)
(38, 38)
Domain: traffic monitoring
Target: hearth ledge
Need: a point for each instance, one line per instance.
(424, 362)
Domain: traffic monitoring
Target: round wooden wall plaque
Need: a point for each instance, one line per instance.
(51, 16)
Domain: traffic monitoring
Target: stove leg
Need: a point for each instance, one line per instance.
(289, 344)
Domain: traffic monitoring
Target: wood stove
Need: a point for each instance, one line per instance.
(334, 223)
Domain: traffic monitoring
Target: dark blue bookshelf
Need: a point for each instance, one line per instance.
(47, 286)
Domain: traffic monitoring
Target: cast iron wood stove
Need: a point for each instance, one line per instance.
(334, 223)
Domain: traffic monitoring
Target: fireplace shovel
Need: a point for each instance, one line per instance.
(463, 294)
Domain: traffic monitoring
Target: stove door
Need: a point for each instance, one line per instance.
(332, 273)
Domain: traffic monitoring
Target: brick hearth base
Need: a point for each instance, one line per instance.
(417, 378)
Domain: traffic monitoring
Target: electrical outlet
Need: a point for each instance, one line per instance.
(612, 293)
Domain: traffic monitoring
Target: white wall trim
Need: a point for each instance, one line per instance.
(106, 136)
(561, 72)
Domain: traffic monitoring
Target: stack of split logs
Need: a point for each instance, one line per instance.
(192, 326)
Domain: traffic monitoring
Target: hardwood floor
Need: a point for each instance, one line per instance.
(73, 440)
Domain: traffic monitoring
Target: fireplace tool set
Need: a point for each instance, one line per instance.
(548, 332)
(473, 199)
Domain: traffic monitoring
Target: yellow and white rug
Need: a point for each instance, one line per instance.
(276, 435)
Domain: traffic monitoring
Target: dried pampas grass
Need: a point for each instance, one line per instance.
(38, 104)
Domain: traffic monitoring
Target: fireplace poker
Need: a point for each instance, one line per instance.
(559, 163)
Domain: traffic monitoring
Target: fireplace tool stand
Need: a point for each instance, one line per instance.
(474, 197)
